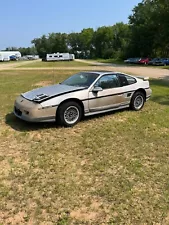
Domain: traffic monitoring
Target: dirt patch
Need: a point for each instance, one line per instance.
(83, 214)
(5, 168)
(166, 221)
(19, 218)
(96, 212)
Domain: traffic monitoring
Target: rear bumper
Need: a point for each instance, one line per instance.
(148, 93)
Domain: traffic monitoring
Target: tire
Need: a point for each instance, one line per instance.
(69, 114)
(137, 101)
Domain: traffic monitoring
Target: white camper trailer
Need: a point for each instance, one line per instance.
(32, 57)
(6, 59)
(59, 57)
(72, 56)
(1, 58)
(4, 55)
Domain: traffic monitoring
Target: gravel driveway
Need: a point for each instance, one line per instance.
(135, 70)
(153, 72)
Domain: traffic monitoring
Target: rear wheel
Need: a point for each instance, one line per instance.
(137, 101)
(69, 114)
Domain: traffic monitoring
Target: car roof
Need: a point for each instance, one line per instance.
(104, 72)
(100, 72)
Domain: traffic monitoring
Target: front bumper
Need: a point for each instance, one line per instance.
(33, 112)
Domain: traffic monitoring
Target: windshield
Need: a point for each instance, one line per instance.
(81, 79)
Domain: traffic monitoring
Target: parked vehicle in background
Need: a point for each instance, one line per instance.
(158, 62)
(13, 58)
(15, 55)
(144, 61)
(23, 58)
(29, 57)
(32, 57)
(148, 61)
(60, 57)
(132, 60)
(4, 55)
(165, 61)
(151, 62)
(136, 60)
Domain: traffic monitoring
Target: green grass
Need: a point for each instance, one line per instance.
(114, 61)
(6, 63)
(109, 169)
(54, 64)
(164, 67)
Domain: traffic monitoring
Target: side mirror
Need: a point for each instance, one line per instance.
(97, 89)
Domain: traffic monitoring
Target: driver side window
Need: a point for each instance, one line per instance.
(108, 81)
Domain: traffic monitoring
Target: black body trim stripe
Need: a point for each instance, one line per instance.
(51, 106)
(53, 96)
(129, 94)
(111, 95)
(107, 96)
(46, 99)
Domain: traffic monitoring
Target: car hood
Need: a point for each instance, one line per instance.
(41, 94)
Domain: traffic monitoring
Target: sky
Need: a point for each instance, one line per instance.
(24, 20)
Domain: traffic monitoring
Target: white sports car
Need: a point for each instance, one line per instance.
(83, 94)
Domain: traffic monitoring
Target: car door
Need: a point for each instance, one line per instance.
(109, 95)
(128, 87)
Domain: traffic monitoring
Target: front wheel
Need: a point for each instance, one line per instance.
(69, 114)
(137, 101)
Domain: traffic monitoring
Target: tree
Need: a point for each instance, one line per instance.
(103, 42)
(86, 41)
(146, 35)
(11, 49)
(149, 28)
(24, 51)
(53, 43)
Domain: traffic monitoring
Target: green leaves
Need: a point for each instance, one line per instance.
(146, 35)
(105, 42)
(149, 29)
(53, 43)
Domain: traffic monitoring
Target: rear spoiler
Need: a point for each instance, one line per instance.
(143, 78)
